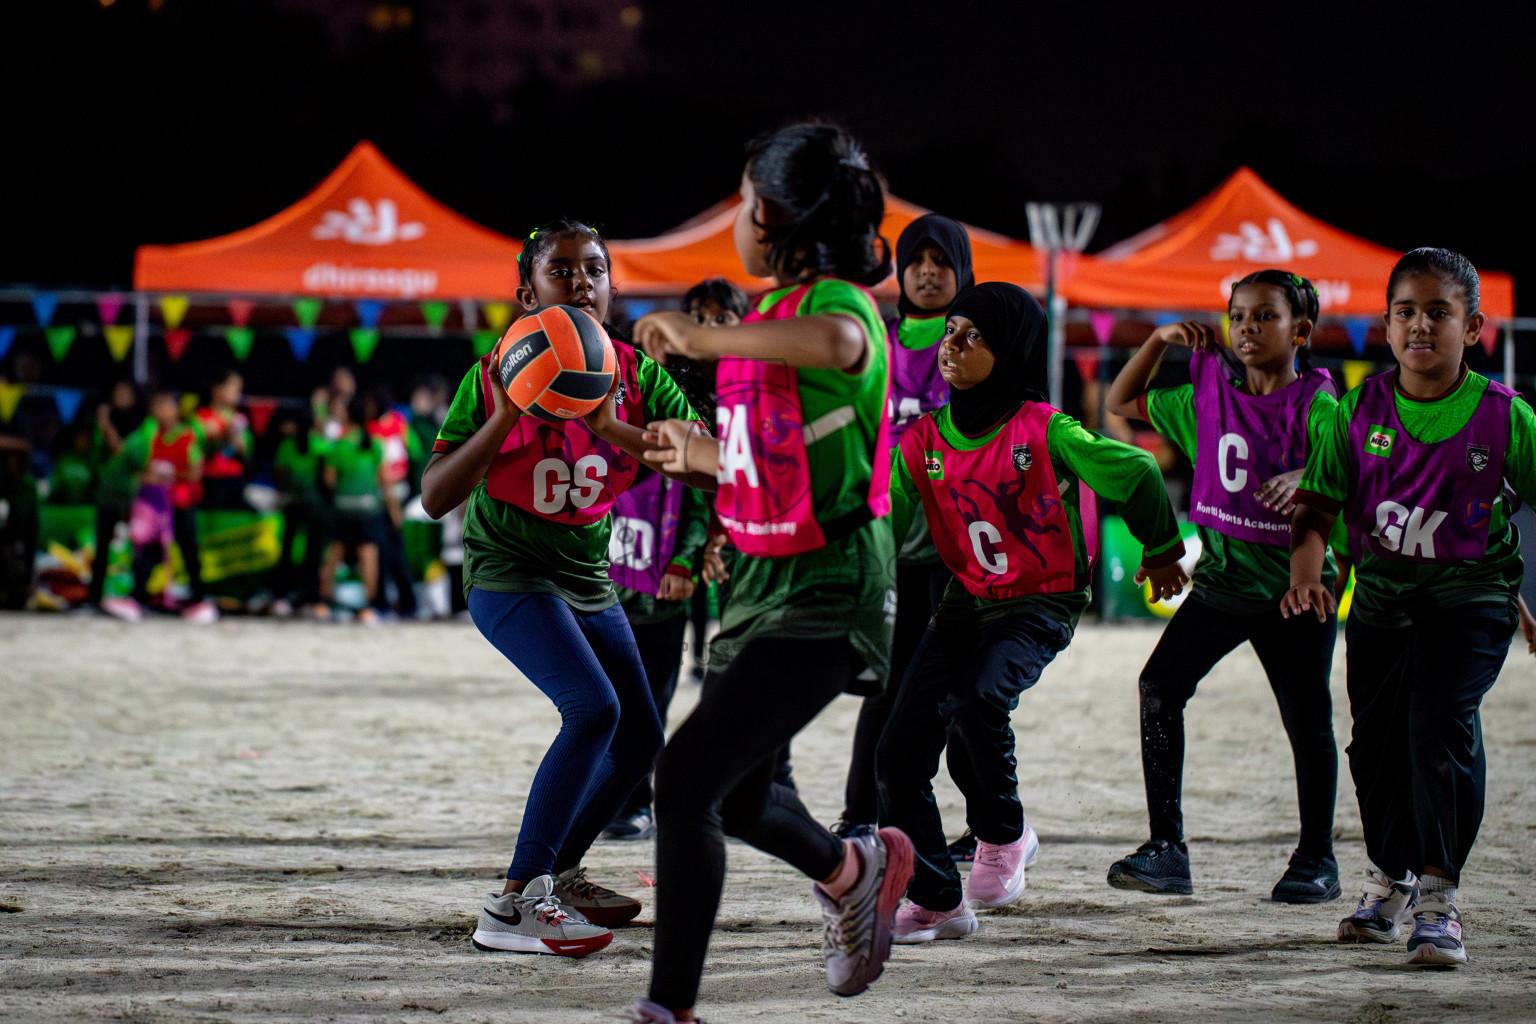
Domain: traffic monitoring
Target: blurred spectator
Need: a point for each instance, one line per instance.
(343, 385)
(403, 460)
(226, 439)
(298, 463)
(18, 522)
(360, 499)
(116, 418)
(429, 408)
(72, 480)
(117, 480)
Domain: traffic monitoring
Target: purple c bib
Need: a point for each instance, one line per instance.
(644, 533)
(1242, 440)
(1420, 502)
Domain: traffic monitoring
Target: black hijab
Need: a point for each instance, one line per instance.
(1012, 324)
(951, 240)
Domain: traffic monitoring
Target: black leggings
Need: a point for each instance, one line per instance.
(1297, 655)
(1416, 751)
(918, 590)
(715, 778)
(146, 557)
(661, 652)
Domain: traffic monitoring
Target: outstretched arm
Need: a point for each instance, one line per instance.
(1135, 377)
(824, 341)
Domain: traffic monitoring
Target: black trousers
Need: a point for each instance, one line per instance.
(715, 778)
(1297, 655)
(918, 590)
(661, 652)
(108, 515)
(184, 527)
(396, 567)
(962, 687)
(1416, 747)
(301, 583)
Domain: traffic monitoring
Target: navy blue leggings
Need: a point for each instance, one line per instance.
(588, 664)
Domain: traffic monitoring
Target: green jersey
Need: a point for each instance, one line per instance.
(1117, 472)
(356, 464)
(1391, 592)
(845, 588)
(509, 550)
(1235, 575)
(298, 472)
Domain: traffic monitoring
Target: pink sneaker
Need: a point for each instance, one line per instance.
(125, 608)
(203, 613)
(997, 879)
(916, 924)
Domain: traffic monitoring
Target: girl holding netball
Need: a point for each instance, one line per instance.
(933, 262)
(1416, 462)
(802, 475)
(536, 539)
(1000, 477)
(1247, 424)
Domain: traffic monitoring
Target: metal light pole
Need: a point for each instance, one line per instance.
(1057, 229)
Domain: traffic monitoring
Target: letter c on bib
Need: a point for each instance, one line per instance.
(1233, 478)
(994, 561)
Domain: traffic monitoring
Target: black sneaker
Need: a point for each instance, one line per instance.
(631, 825)
(1157, 866)
(963, 850)
(1308, 880)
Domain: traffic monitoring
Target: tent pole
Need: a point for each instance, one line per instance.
(1509, 354)
(1055, 312)
(141, 339)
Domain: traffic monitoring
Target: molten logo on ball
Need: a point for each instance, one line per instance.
(556, 363)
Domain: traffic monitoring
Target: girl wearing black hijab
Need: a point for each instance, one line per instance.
(1004, 484)
(933, 258)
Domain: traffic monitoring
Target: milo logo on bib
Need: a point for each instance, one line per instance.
(1379, 440)
(933, 462)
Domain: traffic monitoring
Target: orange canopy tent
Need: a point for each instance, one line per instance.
(703, 247)
(1189, 261)
(365, 231)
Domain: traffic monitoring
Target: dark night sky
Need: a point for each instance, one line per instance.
(1408, 126)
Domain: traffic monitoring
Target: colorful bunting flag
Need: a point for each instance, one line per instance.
(485, 341)
(240, 311)
(239, 339)
(307, 310)
(1490, 336)
(1226, 330)
(301, 340)
(188, 404)
(1164, 319)
(364, 341)
(108, 306)
(1357, 327)
(172, 309)
(368, 311)
(44, 304)
(7, 336)
(119, 340)
(10, 397)
(434, 313)
(1355, 371)
(176, 341)
(497, 315)
(60, 338)
(1087, 365)
(1103, 323)
(68, 402)
(260, 410)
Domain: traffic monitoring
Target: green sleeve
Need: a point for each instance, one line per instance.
(833, 296)
(1126, 475)
(195, 450)
(1171, 411)
(663, 399)
(136, 446)
(1327, 472)
(692, 529)
(466, 414)
(1520, 457)
(906, 501)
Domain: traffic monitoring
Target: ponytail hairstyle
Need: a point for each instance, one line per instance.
(1450, 267)
(1300, 295)
(540, 240)
(829, 200)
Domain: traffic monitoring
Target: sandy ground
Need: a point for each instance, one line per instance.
(265, 821)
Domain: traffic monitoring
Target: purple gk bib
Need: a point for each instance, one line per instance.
(916, 386)
(1242, 440)
(1424, 502)
(644, 532)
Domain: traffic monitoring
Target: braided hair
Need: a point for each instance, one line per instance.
(831, 204)
(541, 239)
(1300, 295)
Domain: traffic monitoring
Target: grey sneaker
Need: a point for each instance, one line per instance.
(1384, 907)
(1436, 939)
(856, 930)
(592, 902)
(533, 921)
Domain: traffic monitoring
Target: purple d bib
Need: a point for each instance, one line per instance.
(916, 385)
(644, 533)
(1420, 502)
(1242, 440)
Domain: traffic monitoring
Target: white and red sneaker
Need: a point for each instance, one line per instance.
(533, 921)
(997, 877)
(915, 924)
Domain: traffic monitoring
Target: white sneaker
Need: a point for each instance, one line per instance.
(1384, 907)
(1437, 939)
(856, 930)
(533, 921)
(203, 613)
(125, 608)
